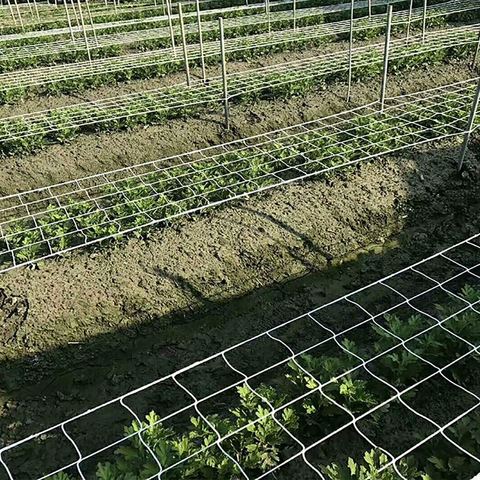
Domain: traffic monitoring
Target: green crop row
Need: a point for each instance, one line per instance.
(11, 62)
(134, 203)
(165, 67)
(206, 16)
(20, 138)
(145, 14)
(257, 441)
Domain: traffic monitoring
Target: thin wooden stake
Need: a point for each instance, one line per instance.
(350, 53)
(91, 22)
(470, 124)
(224, 73)
(386, 58)
(200, 37)
(85, 37)
(424, 20)
(369, 8)
(69, 22)
(184, 43)
(170, 26)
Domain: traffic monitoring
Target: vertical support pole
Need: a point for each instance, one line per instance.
(386, 57)
(36, 9)
(75, 13)
(19, 14)
(470, 124)
(267, 6)
(294, 15)
(85, 37)
(475, 55)
(69, 22)
(224, 73)
(184, 43)
(170, 26)
(91, 22)
(11, 12)
(350, 53)
(369, 8)
(200, 38)
(424, 20)
(409, 21)
(30, 9)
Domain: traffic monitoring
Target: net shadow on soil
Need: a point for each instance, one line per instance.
(40, 390)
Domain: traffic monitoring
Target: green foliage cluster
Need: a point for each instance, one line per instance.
(258, 442)
(138, 202)
(23, 136)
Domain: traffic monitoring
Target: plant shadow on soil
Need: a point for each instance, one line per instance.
(40, 390)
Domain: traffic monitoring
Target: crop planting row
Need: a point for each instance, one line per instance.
(52, 220)
(42, 36)
(76, 77)
(387, 375)
(12, 58)
(147, 13)
(23, 134)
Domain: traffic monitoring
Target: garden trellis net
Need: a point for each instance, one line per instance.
(423, 318)
(153, 106)
(63, 73)
(136, 37)
(51, 220)
(146, 20)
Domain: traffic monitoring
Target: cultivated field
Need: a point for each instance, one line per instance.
(239, 239)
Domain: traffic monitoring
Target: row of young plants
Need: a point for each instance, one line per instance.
(156, 11)
(163, 62)
(134, 203)
(156, 22)
(69, 53)
(25, 135)
(259, 443)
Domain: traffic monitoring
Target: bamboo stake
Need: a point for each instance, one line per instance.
(69, 22)
(386, 58)
(350, 53)
(200, 37)
(224, 73)
(170, 26)
(470, 124)
(369, 8)
(91, 22)
(85, 37)
(184, 43)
